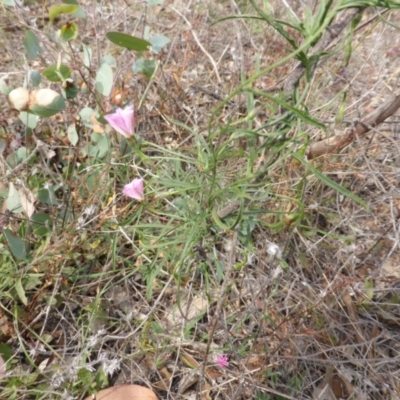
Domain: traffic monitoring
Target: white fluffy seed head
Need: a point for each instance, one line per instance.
(19, 98)
(43, 97)
(274, 250)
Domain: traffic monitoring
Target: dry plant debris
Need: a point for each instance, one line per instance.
(259, 257)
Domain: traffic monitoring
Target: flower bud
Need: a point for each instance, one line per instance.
(19, 98)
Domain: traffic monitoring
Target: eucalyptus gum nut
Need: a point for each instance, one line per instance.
(125, 392)
(19, 98)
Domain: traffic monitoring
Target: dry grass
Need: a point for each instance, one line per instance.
(163, 289)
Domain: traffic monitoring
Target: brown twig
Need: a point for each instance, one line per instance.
(338, 142)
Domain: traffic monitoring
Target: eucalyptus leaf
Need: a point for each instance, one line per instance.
(127, 41)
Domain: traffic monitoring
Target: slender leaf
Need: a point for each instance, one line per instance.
(127, 41)
(21, 292)
(329, 182)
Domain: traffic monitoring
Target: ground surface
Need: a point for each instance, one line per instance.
(298, 285)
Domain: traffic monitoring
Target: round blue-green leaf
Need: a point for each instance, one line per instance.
(32, 45)
(71, 90)
(28, 119)
(104, 79)
(58, 9)
(13, 202)
(35, 78)
(72, 135)
(158, 42)
(146, 67)
(17, 245)
(4, 88)
(57, 105)
(54, 74)
(41, 224)
(110, 60)
(69, 31)
(127, 41)
(79, 13)
(48, 196)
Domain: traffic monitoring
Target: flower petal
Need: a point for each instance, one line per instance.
(122, 120)
(135, 189)
(222, 361)
(129, 119)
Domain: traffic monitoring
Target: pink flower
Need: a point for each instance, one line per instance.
(135, 189)
(122, 120)
(222, 361)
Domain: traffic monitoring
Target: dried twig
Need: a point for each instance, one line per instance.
(338, 142)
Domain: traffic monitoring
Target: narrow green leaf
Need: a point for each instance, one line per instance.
(127, 41)
(87, 55)
(32, 45)
(17, 245)
(58, 9)
(301, 114)
(104, 79)
(21, 292)
(329, 182)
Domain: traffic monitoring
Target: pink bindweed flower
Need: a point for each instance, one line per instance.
(122, 120)
(135, 189)
(222, 361)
